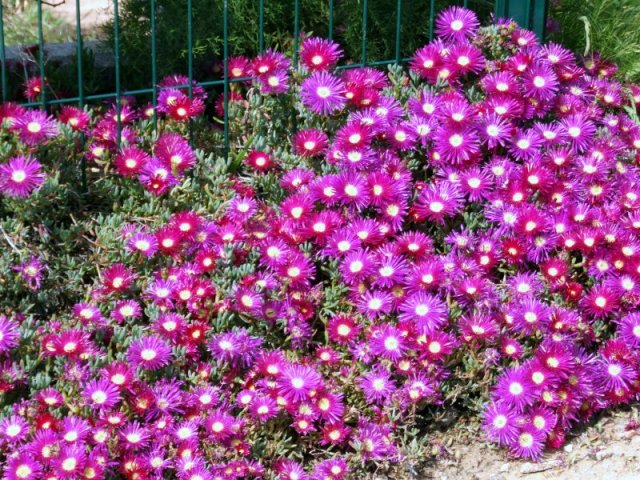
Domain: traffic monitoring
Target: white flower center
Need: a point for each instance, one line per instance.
(34, 127)
(23, 471)
(457, 25)
(323, 92)
(391, 343)
(539, 81)
(18, 176)
(614, 370)
(148, 354)
(356, 266)
(436, 207)
(455, 140)
(99, 397)
(515, 388)
(69, 464)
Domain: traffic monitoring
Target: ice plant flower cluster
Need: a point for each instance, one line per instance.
(470, 228)
(112, 139)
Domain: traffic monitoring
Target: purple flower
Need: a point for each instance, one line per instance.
(456, 23)
(515, 390)
(101, 394)
(35, 127)
(377, 385)
(500, 424)
(145, 243)
(540, 82)
(426, 311)
(388, 342)
(9, 334)
(629, 330)
(319, 53)
(149, 353)
(297, 382)
(529, 443)
(174, 152)
(323, 93)
(31, 272)
(13, 429)
(20, 176)
(22, 467)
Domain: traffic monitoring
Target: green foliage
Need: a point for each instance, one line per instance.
(609, 27)
(244, 31)
(21, 28)
(207, 28)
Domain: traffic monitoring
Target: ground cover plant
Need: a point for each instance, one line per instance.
(377, 249)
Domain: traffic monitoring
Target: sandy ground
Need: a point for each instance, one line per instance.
(606, 450)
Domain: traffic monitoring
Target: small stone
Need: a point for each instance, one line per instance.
(539, 467)
(617, 450)
(568, 448)
(602, 454)
(505, 467)
(526, 468)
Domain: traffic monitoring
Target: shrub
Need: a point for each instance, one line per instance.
(171, 17)
(375, 249)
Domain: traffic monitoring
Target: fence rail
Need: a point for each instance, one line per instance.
(529, 13)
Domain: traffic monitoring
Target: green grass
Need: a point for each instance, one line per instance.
(609, 27)
(22, 28)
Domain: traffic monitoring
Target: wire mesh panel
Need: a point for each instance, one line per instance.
(366, 19)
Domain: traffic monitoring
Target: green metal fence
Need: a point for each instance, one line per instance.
(529, 13)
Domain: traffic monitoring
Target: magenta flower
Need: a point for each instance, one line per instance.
(377, 385)
(515, 390)
(174, 152)
(35, 127)
(500, 424)
(13, 429)
(22, 467)
(101, 394)
(149, 353)
(130, 161)
(529, 443)
(75, 117)
(310, 142)
(457, 24)
(388, 342)
(319, 53)
(20, 176)
(9, 334)
(31, 272)
(323, 93)
(297, 382)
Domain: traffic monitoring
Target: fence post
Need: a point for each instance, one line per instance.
(116, 59)
(530, 14)
(225, 35)
(539, 18)
(3, 65)
(154, 62)
(43, 80)
(79, 53)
